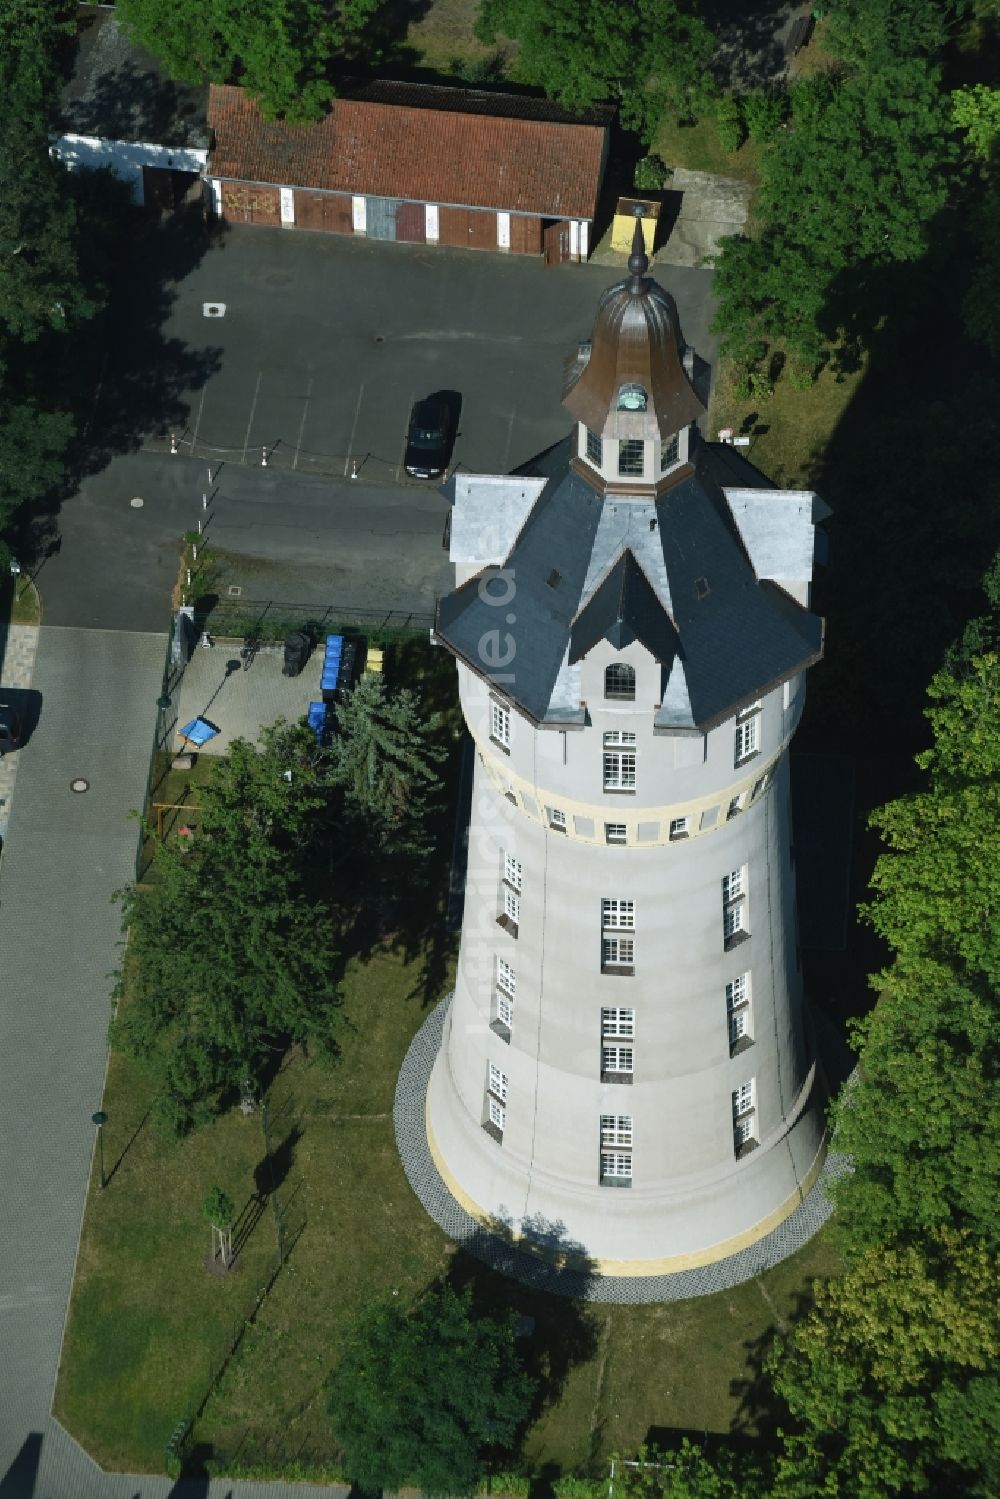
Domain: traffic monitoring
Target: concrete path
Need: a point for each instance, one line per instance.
(65, 854)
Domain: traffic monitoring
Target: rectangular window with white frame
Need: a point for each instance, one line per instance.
(616, 1150)
(617, 915)
(744, 1117)
(495, 1112)
(512, 872)
(680, 827)
(735, 907)
(615, 832)
(617, 1023)
(617, 1064)
(619, 761)
(504, 989)
(747, 733)
(557, 819)
(617, 952)
(500, 724)
(618, 955)
(738, 1013)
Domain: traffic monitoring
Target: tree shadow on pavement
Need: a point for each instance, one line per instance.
(122, 377)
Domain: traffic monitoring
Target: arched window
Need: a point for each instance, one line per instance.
(619, 681)
(631, 398)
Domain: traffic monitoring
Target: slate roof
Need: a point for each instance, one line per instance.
(424, 155)
(117, 92)
(721, 634)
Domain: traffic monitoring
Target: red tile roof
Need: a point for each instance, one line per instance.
(429, 155)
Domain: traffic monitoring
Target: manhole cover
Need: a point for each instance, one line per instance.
(213, 309)
(136, 502)
(79, 785)
(235, 590)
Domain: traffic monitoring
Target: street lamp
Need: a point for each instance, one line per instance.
(100, 1119)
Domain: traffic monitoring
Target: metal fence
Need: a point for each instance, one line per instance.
(288, 1226)
(271, 619)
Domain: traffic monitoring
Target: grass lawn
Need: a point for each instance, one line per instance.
(789, 430)
(19, 601)
(443, 36)
(148, 1322)
(697, 148)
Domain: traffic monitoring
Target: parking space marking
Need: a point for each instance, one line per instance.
(506, 446)
(197, 420)
(406, 433)
(253, 408)
(302, 423)
(354, 428)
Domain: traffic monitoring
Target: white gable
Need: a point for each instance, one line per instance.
(777, 527)
(489, 511)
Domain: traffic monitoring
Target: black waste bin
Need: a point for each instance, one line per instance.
(297, 648)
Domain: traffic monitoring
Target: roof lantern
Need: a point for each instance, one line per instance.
(631, 382)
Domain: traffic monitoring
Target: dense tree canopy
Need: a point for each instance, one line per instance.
(854, 184)
(385, 757)
(231, 951)
(891, 1380)
(280, 50)
(651, 56)
(425, 1395)
(45, 292)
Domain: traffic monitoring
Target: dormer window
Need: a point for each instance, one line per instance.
(619, 681)
(595, 448)
(631, 457)
(631, 398)
(669, 449)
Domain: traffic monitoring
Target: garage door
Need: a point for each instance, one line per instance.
(328, 211)
(381, 217)
(472, 228)
(245, 204)
(411, 223)
(525, 234)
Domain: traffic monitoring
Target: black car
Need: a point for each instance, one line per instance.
(428, 441)
(10, 729)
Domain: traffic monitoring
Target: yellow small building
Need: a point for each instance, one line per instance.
(627, 210)
(373, 660)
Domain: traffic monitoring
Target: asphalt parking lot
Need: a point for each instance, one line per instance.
(326, 342)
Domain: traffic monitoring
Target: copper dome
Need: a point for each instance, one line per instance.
(637, 342)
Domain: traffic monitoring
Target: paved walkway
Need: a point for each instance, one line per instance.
(64, 855)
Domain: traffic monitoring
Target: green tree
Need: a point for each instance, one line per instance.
(231, 950)
(425, 1395)
(976, 110)
(40, 284)
(889, 1380)
(854, 184)
(651, 56)
(219, 1210)
(281, 51)
(873, 33)
(687, 1472)
(385, 756)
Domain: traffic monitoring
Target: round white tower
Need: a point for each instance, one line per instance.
(625, 1064)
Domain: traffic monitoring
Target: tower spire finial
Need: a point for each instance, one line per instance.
(638, 261)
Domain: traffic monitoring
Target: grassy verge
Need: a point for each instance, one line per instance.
(148, 1322)
(789, 429)
(20, 603)
(443, 38)
(697, 148)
